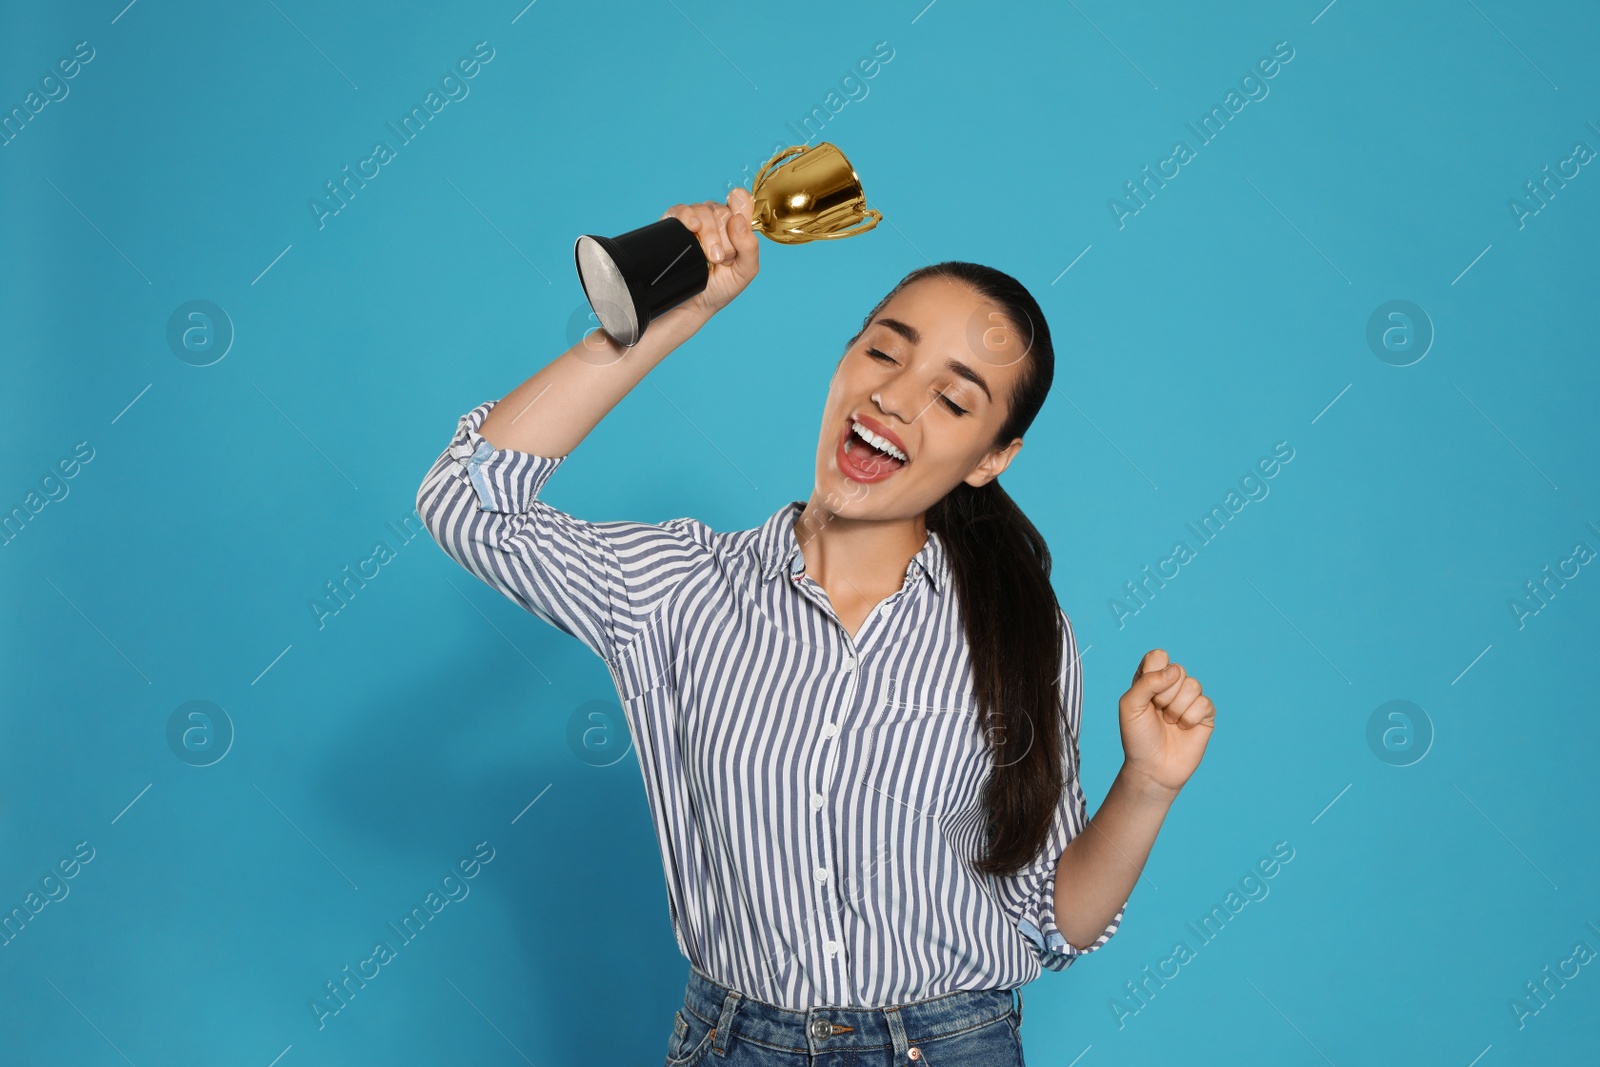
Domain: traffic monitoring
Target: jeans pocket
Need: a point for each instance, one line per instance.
(691, 1040)
(680, 1030)
(995, 1043)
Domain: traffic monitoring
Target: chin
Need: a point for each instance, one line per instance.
(848, 498)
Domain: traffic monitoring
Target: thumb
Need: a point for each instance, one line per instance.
(740, 231)
(1147, 685)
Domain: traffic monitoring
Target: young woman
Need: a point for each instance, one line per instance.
(857, 722)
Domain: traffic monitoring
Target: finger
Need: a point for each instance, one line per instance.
(702, 224)
(1201, 711)
(723, 216)
(686, 214)
(1188, 693)
(740, 202)
(1146, 686)
(718, 248)
(1168, 693)
(1172, 704)
(1153, 660)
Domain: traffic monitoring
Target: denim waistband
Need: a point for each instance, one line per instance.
(828, 1029)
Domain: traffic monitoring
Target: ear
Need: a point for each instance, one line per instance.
(990, 467)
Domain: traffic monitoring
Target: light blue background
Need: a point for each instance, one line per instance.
(1229, 314)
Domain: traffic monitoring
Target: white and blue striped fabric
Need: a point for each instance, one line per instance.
(815, 796)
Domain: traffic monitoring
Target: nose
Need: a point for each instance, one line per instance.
(891, 408)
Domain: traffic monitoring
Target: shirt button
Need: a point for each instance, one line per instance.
(822, 874)
(849, 665)
(830, 729)
(816, 801)
(832, 947)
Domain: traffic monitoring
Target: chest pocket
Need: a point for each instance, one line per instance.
(930, 759)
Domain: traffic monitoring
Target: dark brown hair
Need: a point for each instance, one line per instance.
(1001, 569)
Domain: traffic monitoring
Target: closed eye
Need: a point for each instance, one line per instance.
(952, 405)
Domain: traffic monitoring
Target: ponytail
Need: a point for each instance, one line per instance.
(1001, 569)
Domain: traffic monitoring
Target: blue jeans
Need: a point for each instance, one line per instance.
(720, 1027)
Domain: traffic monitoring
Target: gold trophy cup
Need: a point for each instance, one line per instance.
(804, 193)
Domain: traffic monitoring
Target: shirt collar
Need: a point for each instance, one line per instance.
(780, 551)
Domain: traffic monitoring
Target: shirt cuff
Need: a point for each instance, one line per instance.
(1038, 925)
(504, 479)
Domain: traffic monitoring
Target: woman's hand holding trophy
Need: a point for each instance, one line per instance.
(728, 243)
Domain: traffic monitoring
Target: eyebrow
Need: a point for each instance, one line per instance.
(955, 366)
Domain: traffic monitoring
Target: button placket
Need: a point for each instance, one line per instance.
(822, 837)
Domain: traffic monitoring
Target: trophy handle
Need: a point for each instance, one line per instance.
(870, 217)
(771, 164)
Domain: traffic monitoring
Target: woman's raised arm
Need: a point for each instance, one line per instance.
(572, 393)
(598, 581)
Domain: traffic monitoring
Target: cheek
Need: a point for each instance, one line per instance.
(952, 453)
(838, 387)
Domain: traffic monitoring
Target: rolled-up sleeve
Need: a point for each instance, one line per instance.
(597, 581)
(1031, 892)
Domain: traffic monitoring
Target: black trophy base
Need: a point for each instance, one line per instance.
(632, 279)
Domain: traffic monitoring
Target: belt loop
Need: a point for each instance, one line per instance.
(721, 1042)
(897, 1034)
(1018, 992)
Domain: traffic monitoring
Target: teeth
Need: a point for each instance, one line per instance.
(879, 442)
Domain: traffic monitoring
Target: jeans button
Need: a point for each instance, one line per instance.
(821, 1028)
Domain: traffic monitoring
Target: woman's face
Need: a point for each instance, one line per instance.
(932, 375)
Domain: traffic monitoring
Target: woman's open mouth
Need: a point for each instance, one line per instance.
(862, 461)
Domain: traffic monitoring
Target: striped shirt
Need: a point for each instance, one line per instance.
(815, 796)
